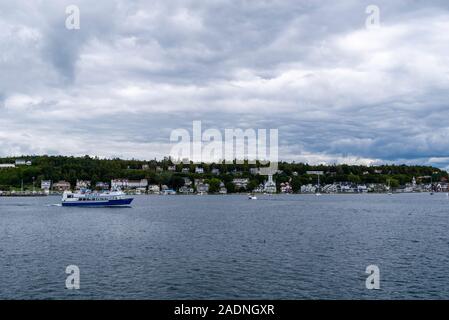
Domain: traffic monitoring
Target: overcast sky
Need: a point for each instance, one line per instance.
(136, 70)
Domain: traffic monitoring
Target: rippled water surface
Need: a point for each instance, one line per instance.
(223, 247)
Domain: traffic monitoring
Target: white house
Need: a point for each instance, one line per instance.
(240, 182)
(186, 190)
(82, 184)
(202, 188)
(128, 184)
(119, 184)
(45, 184)
(61, 185)
(134, 184)
(154, 188)
(199, 170)
(102, 185)
(308, 188)
(223, 190)
(285, 187)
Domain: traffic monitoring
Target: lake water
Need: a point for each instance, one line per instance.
(228, 247)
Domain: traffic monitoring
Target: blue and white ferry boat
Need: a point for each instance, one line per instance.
(90, 199)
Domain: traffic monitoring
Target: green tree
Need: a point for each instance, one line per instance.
(354, 178)
(230, 187)
(214, 185)
(296, 184)
(253, 184)
(176, 182)
(393, 183)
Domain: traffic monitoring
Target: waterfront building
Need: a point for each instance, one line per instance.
(308, 188)
(61, 186)
(441, 187)
(171, 168)
(223, 190)
(119, 184)
(270, 185)
(362, 188)
(46, 185)
(240, 183)
(285, 187)
(202, 188)
(154, 188)
(102, 185)
(186, 190)
(346, 188)
(138, 184)
(187, 181)
(215, 171)
(330, 188)
(82, 184)
(377, 187)
(185, 170)
(141, 190)
(128, 184)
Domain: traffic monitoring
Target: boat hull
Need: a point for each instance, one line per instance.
(109, 203)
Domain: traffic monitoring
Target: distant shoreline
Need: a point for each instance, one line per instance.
(39, 195)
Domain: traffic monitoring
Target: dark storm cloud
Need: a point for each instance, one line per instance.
(136, 70)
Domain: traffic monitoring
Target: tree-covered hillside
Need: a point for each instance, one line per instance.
(70, 169)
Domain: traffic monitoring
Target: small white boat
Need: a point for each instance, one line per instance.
(252, 197)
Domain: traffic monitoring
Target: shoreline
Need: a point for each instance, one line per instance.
(39, 195)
